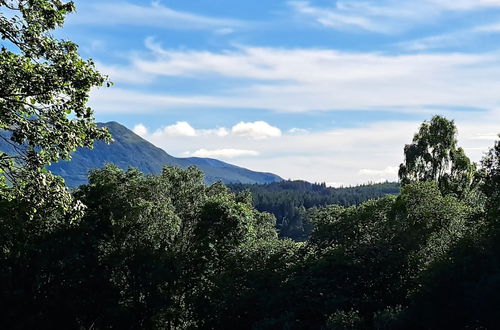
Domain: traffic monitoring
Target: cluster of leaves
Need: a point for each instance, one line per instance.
(292, 202)
(43, 95)
(435, 156)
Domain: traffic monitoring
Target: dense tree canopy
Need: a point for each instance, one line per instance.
(292, 202)
(150, 252)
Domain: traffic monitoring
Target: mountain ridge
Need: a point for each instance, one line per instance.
(130, 150)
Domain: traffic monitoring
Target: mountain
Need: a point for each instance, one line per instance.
(129, 149)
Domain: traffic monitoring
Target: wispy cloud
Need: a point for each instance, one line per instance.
(448, 40)
(298, 80)
(297, 130)
(223, 153)
(337, 18)
(460, 5)
(115, 13)
(384, 16)
(388, 172)
(488, 28)
(440, 41)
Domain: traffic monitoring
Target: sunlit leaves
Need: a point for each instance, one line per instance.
(43, 95)
(434, 156)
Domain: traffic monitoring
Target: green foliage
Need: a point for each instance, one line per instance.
(342, 320)
(292, 202)
(187, 229)
(43, 95)
(375, 255)
(434, 156)
(461, 291)
(150, 252)
(490, 174)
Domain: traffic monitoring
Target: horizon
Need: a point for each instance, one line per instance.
(321, 91)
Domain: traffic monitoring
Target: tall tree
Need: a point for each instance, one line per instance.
(44, 89)
(434, 155)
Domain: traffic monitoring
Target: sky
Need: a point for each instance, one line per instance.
(325, 91)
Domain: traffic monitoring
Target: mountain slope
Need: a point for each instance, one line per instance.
(129, 149)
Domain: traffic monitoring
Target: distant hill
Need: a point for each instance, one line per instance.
(130, 150)
(291, 201)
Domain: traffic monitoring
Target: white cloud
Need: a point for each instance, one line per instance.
(256, 130)
(224, 31)
(121, 100)
(223, 153)
(440, 41)
(296, 130)
(140, 130)
(389, 171)
(181, 128)
(113, 13)
(384, 16)
(461, 5)
(451, 39)
(346, 156)
(334, 18)
(486, 136)
(294, 80)
(126, 75)
(488, 28)
(316, 157)
(220, 131)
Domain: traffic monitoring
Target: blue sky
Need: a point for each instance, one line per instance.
(327, 91)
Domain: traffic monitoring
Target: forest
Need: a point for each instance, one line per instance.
(292, 202)
(130, 250)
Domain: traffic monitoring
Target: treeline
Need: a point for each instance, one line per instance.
(150, 252)
(291, 202)
(168, 252)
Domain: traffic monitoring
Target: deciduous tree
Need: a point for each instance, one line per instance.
(44, 89)
(434, 156)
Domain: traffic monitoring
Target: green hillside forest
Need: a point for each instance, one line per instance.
(134, 250)
(293, 202)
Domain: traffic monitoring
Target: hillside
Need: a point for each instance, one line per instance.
(130, 150)
(292, 201)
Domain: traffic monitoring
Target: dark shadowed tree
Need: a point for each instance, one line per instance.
(491, 181)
